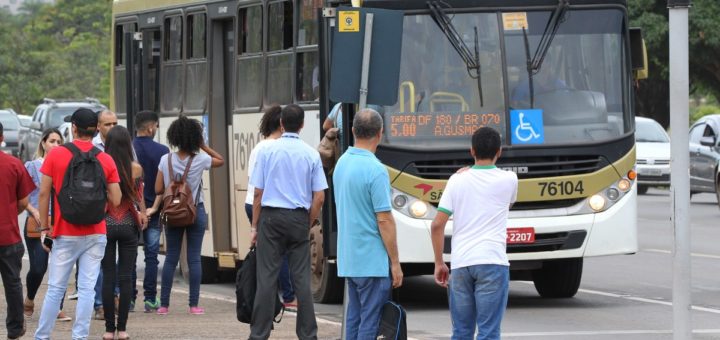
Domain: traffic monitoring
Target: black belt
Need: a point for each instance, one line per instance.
(296, 209)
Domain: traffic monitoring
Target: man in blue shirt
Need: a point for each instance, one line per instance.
(289, 190)
(366, 228)
(149, 153)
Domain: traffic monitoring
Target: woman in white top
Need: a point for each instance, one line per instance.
(186, 136)
(271, 131)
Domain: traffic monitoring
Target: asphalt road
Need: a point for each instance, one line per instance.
(621, 297)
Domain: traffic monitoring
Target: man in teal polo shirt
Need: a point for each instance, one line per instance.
(367, 246)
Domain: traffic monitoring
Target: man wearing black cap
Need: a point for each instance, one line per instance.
(73, 242)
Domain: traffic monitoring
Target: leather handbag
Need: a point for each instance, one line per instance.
(32, 226)
(329, 148)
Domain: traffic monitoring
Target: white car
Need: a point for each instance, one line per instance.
(653, 154)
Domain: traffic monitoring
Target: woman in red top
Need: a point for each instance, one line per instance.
(123, 225)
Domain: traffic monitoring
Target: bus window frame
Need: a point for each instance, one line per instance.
(118, 41)
(240, 57)
(268, 54)
(172, 63)
(189, 61)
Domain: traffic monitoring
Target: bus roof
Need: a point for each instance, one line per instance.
(132, 6)
(422, 4)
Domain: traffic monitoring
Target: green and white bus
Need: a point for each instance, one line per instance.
(554, 77)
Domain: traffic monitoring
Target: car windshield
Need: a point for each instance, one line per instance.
(650, 132)
(9, 122)
(58, 114)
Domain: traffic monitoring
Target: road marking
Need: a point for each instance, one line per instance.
(608, 332)
(663, 251)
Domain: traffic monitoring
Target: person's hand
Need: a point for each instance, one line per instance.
(397, 275)
(43, 235)
(36, 215)
(143, 221)
(253, 236)
(150, 211)
(442, 273)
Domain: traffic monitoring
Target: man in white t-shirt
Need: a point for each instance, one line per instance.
(479, 200)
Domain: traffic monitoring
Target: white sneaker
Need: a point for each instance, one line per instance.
(73, 296)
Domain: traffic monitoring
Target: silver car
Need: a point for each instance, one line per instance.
(653, 154)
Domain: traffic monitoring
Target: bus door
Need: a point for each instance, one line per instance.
(150, 69)
(221, 51)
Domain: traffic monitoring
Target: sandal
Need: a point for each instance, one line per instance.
(108, 336)
(127, 337)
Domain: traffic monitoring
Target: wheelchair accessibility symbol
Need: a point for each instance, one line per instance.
(527, 127)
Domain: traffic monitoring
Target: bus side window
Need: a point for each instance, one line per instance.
(172, 70)
(249, 76)
(196, 66)
(280, 55)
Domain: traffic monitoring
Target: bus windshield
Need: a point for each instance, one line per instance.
(580, 89)
(439, 103)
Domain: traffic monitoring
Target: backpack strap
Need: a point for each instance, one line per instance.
(187, 168)
(73, 148)
(94, 151)
(170, 168)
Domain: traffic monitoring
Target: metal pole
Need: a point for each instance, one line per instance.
(363, 104)
(680, 179)
(366, 61)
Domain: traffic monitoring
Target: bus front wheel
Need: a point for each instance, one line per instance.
(326, 286)
(558, 278)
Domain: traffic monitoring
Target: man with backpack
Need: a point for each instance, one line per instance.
(82, 181)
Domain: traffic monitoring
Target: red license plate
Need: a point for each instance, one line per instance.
(520, 235)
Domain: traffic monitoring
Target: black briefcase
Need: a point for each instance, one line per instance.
(393, 322)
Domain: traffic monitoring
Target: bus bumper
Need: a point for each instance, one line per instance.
(611, 232)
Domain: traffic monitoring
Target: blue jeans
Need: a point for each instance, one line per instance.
(478, 297)
(151, 237)
(66, 250)
(286, 285)
(366, 297)
(174, 236)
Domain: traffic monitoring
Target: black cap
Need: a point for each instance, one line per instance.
(83, 118)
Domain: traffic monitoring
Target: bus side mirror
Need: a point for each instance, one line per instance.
(638, 53)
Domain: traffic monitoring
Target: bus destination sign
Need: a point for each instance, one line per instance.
(440, 124)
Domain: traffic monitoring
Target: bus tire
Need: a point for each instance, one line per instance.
(558, 278)
(324, 282)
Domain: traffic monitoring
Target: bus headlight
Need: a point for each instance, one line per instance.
(597, 202)
(624, 185)
(612, 194)
(418, 209)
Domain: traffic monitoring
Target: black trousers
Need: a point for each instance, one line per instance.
(280, 232)
(124, 240)
(10, 266)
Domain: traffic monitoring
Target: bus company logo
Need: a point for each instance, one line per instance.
(516, 169)
(150, 20)
(222, 10)
(424, 187)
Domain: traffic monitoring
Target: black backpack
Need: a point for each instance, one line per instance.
(245, 287)
(83, 195)
(393, 322)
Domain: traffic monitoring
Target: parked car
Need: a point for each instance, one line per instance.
(705, 155)
(653, 154)
(11, 127)
(50, 114)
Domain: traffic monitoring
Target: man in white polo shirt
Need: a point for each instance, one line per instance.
(479, 200)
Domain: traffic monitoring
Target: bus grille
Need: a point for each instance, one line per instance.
(525, 167)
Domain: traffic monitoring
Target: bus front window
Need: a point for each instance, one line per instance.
(439, 104)
(579, 87)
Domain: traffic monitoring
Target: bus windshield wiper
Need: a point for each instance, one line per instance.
(472, 60)
(551, 28)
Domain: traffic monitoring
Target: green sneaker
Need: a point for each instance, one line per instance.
(151, 306)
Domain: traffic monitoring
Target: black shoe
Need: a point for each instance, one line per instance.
(24, 329)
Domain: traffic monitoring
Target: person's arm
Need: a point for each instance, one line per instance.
(437, 234)
(114, 195)
(317, 201)
(22, 204)
(44, 200)
(257, 206)
(159, 191)
(386, 225)
(217, 159)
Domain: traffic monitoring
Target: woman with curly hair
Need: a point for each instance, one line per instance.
(185, 135)
(124, 224)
